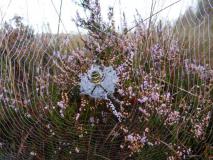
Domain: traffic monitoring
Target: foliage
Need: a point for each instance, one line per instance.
(163, 98)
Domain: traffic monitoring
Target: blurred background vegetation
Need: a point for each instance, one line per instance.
(195, 30)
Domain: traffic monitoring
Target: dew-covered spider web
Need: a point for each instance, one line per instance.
(92, 80)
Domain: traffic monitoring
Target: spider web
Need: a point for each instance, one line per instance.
(36, 124)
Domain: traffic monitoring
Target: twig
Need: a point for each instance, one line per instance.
(59, 17)
(161, 80)
(109, 135)
(167, 145)
(101, 156)
(23, 140)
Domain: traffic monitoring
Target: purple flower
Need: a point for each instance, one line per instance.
(155, 96)
(156, 51)
(144, 85)
(57, 54)
(143, 100)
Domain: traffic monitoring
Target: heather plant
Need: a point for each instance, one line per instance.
(117, 96)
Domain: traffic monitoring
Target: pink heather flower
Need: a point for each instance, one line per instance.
(77, 116)
(147, 130)
(144, 112)
(77, 150)
(143, 100)
(130, 89)
(163, 109)
(173, 118)
(144, 85)
(114, 111)
(168, 96)
(70, 58)
(155, 96)
(121, 68)
(174, 48)
(198, 130)
(57, 54)
(121, 91)
(130, 138)
(156, 51)
(143, 139)
(61, 104)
